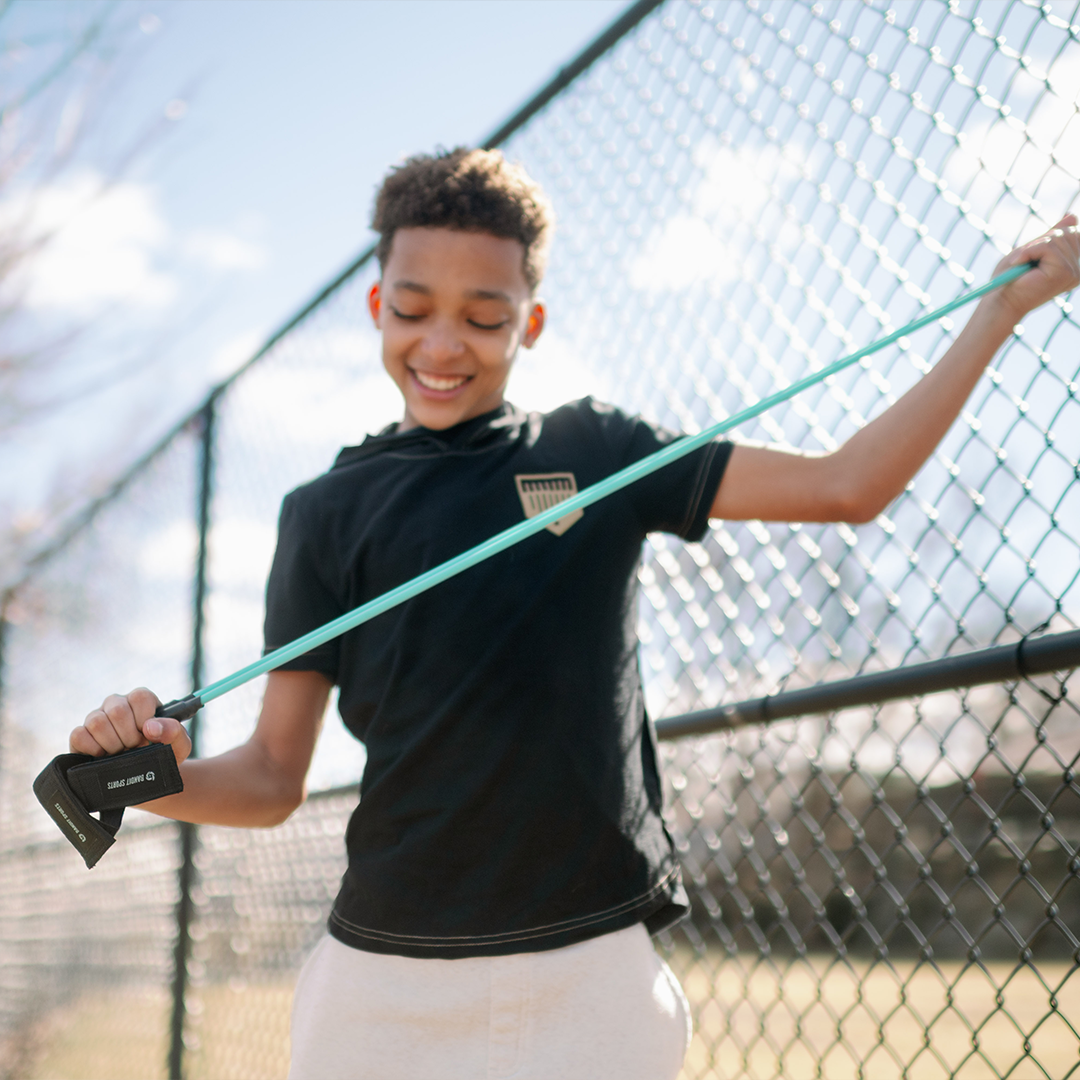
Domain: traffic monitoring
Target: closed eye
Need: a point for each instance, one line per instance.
(488, 326)
(402, 315)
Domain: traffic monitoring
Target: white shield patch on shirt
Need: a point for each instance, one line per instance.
(541, 491)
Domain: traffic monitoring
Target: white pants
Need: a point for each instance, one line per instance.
(604, 1009)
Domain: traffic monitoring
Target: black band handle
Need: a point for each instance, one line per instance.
(181, 708)
(72, 787)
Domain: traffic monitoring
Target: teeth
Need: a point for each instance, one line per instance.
(439, 382)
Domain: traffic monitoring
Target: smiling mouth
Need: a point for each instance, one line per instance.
(439, 382)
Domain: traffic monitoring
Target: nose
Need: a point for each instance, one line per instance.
(441, 344)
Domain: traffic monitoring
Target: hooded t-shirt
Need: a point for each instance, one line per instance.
(511, 798)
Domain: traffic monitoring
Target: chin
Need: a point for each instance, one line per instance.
(438, 419)
(439, 415)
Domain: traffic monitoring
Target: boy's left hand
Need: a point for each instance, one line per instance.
(1058, 255)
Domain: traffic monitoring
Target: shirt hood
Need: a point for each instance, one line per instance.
(501, 425)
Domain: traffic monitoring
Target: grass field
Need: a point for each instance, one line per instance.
(238, 1033)
(824, 1019)
(821, 1019)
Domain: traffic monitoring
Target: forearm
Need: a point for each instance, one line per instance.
(242, 787)
(877, 462)
(857, 482)
(258, 783)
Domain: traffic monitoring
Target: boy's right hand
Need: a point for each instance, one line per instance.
(125, 722)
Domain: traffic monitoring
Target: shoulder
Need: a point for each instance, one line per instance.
(311, 495)
(352, 469)
(588, 414)
(589, 409)
(583, 430)
(316, 520)
(309, 505)
(625, 436)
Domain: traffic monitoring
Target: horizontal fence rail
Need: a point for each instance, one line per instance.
(1003, 663)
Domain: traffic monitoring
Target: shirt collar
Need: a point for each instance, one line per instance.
(500, 425)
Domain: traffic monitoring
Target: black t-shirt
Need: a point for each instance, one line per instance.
(511, 798)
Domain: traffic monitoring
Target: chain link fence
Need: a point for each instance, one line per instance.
(746, 191)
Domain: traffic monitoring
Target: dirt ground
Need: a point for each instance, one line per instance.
(754, 1021)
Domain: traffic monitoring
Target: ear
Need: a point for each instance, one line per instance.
(534, 325)
(374, 303)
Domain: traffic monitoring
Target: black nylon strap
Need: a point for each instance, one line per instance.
(72, 785)
(135, 776)
(90, 837)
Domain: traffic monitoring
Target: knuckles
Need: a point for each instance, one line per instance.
(97, 723)
(116, 709)
(82, 741)
(143, 702)
(118, 719)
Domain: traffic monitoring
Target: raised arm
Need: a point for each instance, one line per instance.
(260, 782)
(856, 482)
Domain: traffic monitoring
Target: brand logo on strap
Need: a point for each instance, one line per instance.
(74, 827)
(541, 491)
(129, 781)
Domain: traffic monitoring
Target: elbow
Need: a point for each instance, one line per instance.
(285, 802)
(277, 784)
(277, 815)
(858, 506)
(850, 489)
(862, 512)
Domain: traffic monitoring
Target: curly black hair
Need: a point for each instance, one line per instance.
(470, 190)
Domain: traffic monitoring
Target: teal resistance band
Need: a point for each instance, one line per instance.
(187, 707)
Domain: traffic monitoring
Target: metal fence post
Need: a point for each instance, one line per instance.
(4, 600)
(189, 832)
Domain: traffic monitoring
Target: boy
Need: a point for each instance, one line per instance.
(507, 857)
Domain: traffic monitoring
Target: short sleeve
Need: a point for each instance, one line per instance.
(297, 597)
(678, 497)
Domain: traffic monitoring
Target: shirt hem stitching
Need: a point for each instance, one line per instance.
(496, 939)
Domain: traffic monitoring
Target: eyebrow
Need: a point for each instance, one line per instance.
(488, 294)
(412, 286)
(472, 294)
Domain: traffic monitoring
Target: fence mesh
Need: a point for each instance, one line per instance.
(84, 953)
(746, 191)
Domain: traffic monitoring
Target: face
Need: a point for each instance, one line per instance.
(453, 308)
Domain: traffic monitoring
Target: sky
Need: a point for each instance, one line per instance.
(261, 130)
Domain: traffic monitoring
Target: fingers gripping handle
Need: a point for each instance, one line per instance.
(74, 786)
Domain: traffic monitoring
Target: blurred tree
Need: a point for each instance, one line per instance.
(55, 90)
(63, 157)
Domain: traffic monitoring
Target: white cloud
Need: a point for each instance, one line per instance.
(237, 350)
(343, 345)
(690, 246)
(550, 375)
(324, 389)
(104, 239)
(1007, 156)
(169, 552)
(1065, 72)
(241, 550)
(684, 252)
(224, 251)
(108, 244)
(320, 407)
